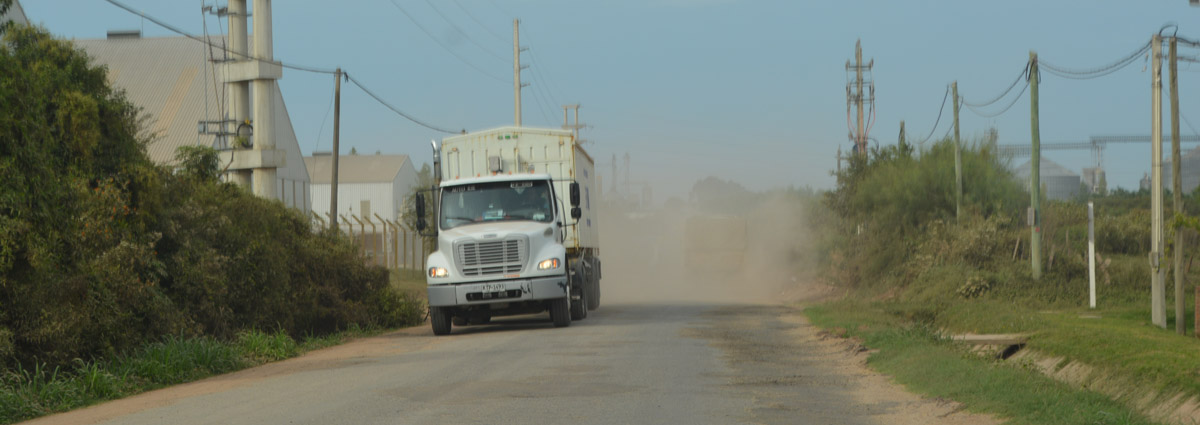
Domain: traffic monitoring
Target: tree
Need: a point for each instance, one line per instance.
(76, 194)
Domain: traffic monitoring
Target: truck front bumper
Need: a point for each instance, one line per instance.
(499, 291)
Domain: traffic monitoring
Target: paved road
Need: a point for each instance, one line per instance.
(625, 364)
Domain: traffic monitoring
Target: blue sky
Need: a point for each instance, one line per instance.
(747, 90)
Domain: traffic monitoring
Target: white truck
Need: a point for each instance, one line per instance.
(516, 228)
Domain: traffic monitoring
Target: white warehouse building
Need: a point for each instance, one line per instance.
(368, 185)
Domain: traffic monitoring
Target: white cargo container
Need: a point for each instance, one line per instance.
(517, 230)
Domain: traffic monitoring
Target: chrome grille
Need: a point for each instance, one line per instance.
(492, 257)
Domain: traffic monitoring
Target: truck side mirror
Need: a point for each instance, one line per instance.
(420, 212)
(574, 196)
(576, 213)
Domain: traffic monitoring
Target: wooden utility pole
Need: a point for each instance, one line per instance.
(337, 127)
(958, 179)
(1176, 189)
(1035, 164)
(1158, 297)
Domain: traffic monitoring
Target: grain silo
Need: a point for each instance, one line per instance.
(1060, 183)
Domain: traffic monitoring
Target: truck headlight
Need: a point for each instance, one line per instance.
(548, 264)
(438, 272)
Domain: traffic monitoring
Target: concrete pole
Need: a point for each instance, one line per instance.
(238, 92)
(1158, 301)
(517, 72)
(1091, 255)
(860, 139)
(264, 98)
(337, 130)
(1035, 168)
(958, 178)
(1176, 188)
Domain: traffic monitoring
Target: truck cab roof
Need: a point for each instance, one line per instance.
(501, 177)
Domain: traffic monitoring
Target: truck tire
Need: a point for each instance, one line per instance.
(440, 318)
(579, 309)
(560, 312)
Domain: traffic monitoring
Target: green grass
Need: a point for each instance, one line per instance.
(27, 393)
(922, 360)
(409, 281)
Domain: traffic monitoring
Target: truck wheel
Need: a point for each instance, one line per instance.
(440, 318)
(579, 309)
(560, 312)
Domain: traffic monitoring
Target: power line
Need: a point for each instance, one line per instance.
(939, 117)
(477, 21)
(463, 33)
(1024, 72)
(978, 111)
(443, 45)
(396, 110)
(1093, 72)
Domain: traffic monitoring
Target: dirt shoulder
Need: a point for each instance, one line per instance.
(791, 371)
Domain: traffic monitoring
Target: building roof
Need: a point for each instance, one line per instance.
(1047, 169)
(15, 14)
(170, 79)
(355, 168)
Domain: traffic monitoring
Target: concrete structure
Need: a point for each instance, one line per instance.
(367, 184)
(1189, 168)
(176, 85)
(249, 74)
(1061, 183)
(15, 14)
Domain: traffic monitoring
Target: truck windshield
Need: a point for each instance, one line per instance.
(477, 203)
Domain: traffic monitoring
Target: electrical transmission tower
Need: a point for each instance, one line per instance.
(860, 91)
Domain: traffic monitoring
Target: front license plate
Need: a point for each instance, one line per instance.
(491, 287)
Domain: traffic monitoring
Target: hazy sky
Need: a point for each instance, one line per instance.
(748, 90)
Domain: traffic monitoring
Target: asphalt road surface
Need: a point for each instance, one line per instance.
(625, 364)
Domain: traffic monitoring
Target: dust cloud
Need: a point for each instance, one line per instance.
(723, 245)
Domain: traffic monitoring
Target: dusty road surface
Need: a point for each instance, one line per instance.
(626, 364)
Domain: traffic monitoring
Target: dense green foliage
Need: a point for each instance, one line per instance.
(102, 250)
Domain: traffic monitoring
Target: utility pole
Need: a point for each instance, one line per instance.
(957, 158)
(1158, 301)
(1176, 188)
(337, 127)
(902, 141)
(855, 97)
(573, 127)
(517, 71)
(1035, 178)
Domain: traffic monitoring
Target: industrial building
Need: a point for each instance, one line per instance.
(371, 191)
(1060, 183)
(15, 14)
(174, 82)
